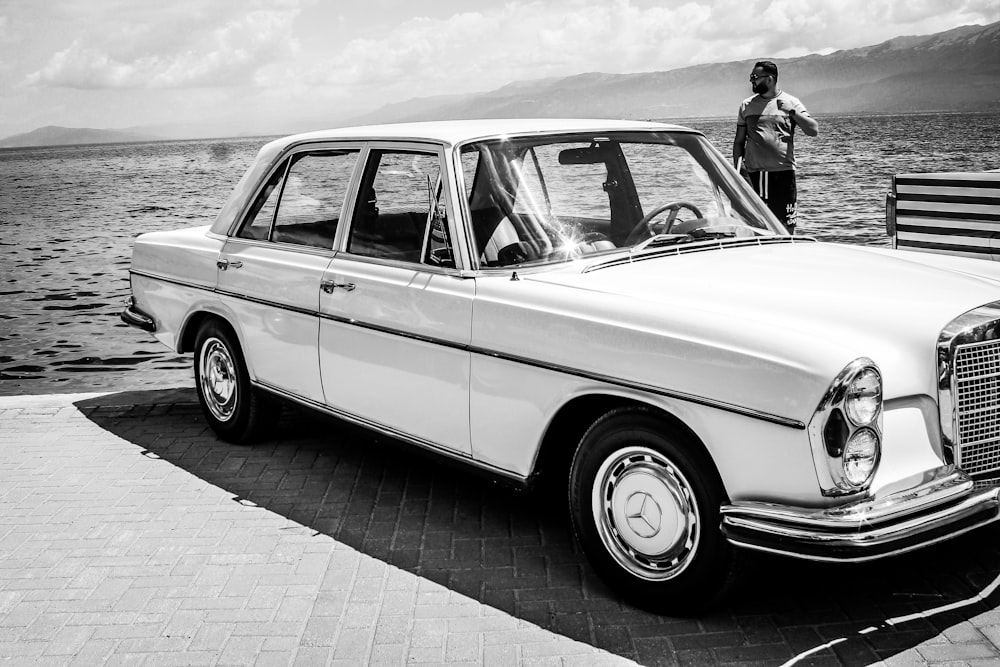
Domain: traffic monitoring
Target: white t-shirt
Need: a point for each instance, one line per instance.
(770, 132)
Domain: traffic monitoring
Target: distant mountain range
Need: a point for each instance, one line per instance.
(956, 70)
(53, 135)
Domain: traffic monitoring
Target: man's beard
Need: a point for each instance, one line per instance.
(759, 87)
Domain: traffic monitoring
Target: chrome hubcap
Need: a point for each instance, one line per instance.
(646, 513)
(217, 378)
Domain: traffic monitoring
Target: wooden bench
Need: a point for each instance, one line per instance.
(955, 213)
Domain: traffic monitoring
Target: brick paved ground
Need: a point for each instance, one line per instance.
(130, 535)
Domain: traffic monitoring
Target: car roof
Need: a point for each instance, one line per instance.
(459, 131)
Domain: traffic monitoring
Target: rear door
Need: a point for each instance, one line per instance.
(270, 271)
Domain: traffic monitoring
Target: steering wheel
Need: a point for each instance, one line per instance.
(646, 224)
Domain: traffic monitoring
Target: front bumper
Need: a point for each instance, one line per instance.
(136, 318)
(929, 508)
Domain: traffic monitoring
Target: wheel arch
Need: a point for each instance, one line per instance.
(569, 424)
(196, 320)
(189, 333)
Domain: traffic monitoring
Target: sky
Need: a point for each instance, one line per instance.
(258, 67)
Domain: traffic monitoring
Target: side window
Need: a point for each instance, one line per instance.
(470, 165)
(257, 224)
(400, 213)
(301, 202)
(312, 197)
(437, 244)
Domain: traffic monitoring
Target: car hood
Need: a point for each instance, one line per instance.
(810, 305)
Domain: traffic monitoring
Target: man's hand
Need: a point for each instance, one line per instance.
(803, 120)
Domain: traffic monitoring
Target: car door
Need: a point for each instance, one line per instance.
(396, 312)
(270, 270)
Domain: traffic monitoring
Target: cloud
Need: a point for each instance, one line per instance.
(271, 58)
(788, 28)
(228, 55)
(525, 39)
(515, 41)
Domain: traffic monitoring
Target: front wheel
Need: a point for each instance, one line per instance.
(234, 409)
(645, 507)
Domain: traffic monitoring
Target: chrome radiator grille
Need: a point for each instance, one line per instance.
(977, 403)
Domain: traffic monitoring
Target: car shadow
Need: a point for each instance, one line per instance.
(515, 551)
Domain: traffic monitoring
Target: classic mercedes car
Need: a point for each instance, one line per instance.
(603, 307)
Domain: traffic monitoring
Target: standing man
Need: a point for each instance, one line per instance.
(765, 141)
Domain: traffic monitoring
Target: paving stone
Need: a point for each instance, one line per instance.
(954, 652)
(308, 656)
(130, 535)
(386, 655)
(466, 647)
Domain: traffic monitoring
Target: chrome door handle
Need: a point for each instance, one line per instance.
(328, 286)
(224, 263)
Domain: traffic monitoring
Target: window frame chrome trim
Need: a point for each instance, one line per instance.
(456, 223)
(282, 155)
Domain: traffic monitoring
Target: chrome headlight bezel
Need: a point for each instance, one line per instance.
(851, 408)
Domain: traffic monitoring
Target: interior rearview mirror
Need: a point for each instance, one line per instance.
(588, 155)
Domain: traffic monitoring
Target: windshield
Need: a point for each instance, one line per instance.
(555, 198)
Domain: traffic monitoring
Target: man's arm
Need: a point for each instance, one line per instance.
(739, 144)
(801, 117)
(808, 124)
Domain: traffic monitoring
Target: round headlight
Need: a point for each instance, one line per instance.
(861, 456)
(864, 397)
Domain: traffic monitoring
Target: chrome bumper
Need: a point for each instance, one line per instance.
(136, 318)
(928, 508)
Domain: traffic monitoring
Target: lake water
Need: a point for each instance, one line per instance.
(68, 216)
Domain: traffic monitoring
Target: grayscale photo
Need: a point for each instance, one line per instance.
(500, 332)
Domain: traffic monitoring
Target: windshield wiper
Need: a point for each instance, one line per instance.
(712, 233)
(701, 234)
(661, 240)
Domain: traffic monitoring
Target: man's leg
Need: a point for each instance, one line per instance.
(764, 185)
(777, 189)
(786, 198)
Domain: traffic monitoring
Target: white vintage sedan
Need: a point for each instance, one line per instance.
(605, 307)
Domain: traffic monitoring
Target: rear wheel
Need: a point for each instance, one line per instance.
(645, 507)
(234, 409)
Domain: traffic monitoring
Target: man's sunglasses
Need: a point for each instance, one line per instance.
(754, 77)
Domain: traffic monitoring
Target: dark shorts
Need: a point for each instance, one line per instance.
(777, 189)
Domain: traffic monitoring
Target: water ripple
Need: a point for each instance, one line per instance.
(69, 216)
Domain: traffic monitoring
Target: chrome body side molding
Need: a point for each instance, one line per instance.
(606, 379)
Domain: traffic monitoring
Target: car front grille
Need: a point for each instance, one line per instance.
(977, 403)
